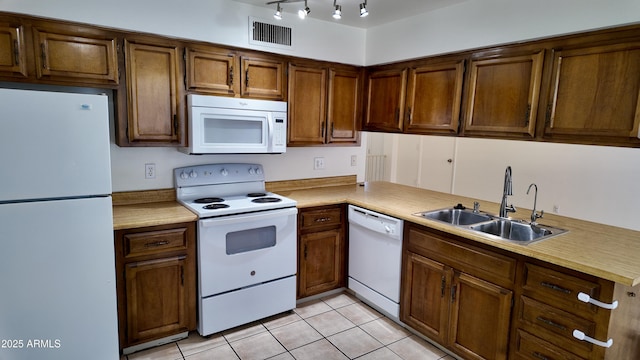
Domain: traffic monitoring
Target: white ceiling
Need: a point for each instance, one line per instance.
(380, 11)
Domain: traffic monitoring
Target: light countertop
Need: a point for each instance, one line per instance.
(608, 252)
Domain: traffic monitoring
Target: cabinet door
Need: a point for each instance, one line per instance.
(156, 298)
(385, 100)
(13, 59)
(434, 96)
(263, 78)
(503, 95)
(307, 105)
(213, 71)
(155, 113)
(596, 92)
(480, 318)
(425, 296)
(321, 262)
(80, 59)
(344, 100)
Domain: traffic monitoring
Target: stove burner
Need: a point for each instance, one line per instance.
(256, 194)
(215, 206)
(208, 200)
(266, 200)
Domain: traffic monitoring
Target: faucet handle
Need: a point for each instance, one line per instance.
(535, 217)
(476, 207)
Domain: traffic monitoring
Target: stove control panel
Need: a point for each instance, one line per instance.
(211, 174)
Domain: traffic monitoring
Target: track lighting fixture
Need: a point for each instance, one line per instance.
(363, 9)
(337, 12)
(278, 14)
(302, 13)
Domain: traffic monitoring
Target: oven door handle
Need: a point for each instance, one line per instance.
(244, 218)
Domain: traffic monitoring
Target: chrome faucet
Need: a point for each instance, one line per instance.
(534, 214)
(507, 190)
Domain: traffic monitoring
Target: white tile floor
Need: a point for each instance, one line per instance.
(336, 327)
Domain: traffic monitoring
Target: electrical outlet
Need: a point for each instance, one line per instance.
(556, 209)
(354, 160)
(318, 163)
(150, 171)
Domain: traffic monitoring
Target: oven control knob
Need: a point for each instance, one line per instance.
(193, 174)
(184, 175)
(224, 172)
(258, 171)
(252, 171)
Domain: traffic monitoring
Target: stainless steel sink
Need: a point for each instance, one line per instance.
(516, 231)
(456, 216)
(492, 226)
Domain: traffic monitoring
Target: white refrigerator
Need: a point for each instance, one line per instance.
(57, 270)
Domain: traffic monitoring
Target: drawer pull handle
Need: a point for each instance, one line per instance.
(537, 355)
(555, 287)
(581, 336)
(156, 243)
(324, 219)
(586, 298)
(551, 323)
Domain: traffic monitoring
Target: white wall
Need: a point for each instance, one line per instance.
(127, 164)
(479, 23)
(595, 183)
(222, 22)
(588, 182)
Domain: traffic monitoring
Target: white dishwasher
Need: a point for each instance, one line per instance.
(375, 256)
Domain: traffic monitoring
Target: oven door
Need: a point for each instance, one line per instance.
(247, 249)
(216, 130)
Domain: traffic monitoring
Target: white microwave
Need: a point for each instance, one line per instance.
(227, 125)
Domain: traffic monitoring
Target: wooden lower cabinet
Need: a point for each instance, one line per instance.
(442, 300)
(321, 250)
(156, 283)
(480, 318)
(548, 311)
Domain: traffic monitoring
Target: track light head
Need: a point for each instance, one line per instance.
(278, 14)
(337, 12)
(302, 13)
(363, 9)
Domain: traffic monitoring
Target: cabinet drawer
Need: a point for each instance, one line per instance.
(321, 218)
(530, 347)
(556, 326)
(560, 289)
(487, 265)
(153, 242)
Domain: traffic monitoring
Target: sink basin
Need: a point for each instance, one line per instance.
(516, 231)
(456, 216)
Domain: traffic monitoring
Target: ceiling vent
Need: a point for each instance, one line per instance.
(265, 34)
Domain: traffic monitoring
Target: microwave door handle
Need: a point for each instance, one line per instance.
(270, 121)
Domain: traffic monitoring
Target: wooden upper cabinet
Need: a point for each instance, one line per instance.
(212, 70)
(503, 94)
(344, 100)
(324, 104)
(155, 102)
(263, 78)
(307, 105)
(434, 98)
(386, 91)
(81, 57)
(13, 57)
(595, 94)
